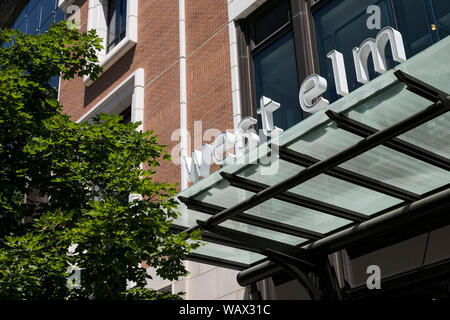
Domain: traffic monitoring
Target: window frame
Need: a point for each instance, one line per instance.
(118, 20)
(97, 19)
(305, 48)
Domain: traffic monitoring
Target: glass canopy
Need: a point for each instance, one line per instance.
(395, 172)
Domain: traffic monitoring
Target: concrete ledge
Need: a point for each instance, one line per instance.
(239, 9)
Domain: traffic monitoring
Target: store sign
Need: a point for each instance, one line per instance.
(314, 86)
(310, 98)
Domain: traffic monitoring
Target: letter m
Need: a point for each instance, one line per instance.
(377, 48)
(200, 163)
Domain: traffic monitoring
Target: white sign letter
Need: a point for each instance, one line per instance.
(267, 107)
(312, 88)
(200, 163)
(377, 48)
(245, 139)
(340, 75)
(223, 142)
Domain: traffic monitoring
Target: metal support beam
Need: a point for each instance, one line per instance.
(217, 239)
(401, 224)
(253, 242)
(294, 269)
(351, 152)
(216, 261)
(396, 144)
(303, 160)
(420, 88)
(296, 199)
(253, 220)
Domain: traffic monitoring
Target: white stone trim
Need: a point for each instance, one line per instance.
(64, 4)
(234, 70)
(183, 92)
(128, 92)
(239, 9)
(97, 16)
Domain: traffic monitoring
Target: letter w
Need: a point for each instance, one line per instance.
(200, 163)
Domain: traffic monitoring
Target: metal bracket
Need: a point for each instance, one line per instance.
(287, 263)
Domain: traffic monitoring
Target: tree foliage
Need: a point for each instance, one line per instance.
(76, 194)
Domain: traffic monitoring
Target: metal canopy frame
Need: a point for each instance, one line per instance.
(348, 175)
(311, 256)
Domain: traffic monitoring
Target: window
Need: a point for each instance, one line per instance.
(117, 22)
(126, 115)
(127, 100)
(272, 38)
(37, 17)
(342, 25)
(282, 42)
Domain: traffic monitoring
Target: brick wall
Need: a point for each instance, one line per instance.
(208, 66)
(208, 71)
(209, 98)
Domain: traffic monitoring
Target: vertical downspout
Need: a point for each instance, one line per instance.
(183, 116)
(183, 90)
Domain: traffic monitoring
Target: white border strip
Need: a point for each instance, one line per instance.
(183, 92)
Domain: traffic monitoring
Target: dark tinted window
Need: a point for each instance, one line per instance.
(126, 115)
(275, 64)
(37, 17)
(117, 22)
(342, 25)
(276, 78)
(270, 23)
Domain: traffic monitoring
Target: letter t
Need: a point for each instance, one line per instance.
(267, 107)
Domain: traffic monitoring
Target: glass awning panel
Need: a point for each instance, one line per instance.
(381, 163)
(188, 219)
(224, 195)
(387, 175)
(209, 249)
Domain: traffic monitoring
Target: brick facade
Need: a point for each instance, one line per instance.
(208, 98)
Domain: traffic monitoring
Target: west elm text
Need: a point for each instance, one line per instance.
(310, 98)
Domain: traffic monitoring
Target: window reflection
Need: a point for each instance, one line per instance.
(342, 25)
(276, 78)
(117, 22)
(37, 17)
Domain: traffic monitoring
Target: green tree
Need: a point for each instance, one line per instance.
(76, 194)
